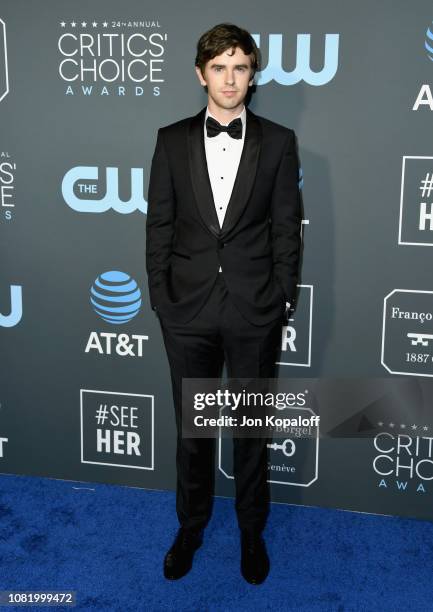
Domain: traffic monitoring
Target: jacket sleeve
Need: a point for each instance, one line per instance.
(160, 218)
(286, 220)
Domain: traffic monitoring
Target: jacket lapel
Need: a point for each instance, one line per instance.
(244, 178)
(199, 174)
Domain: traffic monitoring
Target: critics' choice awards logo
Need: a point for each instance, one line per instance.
(296, 334)
(111, 58)
(116, 298)
(117, 429)
(7, 185)
(12, 313)
(425, 96)
(84, 191)
(4, 74)
(416, 201)
(407, 332)
(274, 70)
(403, 461)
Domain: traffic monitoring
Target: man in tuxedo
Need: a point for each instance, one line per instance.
(222, 253)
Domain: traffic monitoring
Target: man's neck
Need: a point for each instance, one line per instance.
(224, 115)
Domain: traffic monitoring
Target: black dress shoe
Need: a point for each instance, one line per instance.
(178, 560)
(254, 558)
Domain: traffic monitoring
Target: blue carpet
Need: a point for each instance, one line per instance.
(107, 543)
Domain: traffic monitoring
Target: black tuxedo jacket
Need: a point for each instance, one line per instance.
(259, 243)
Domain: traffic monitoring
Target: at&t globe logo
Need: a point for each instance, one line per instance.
(115, 297)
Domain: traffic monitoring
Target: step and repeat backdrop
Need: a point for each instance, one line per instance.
(85, 384)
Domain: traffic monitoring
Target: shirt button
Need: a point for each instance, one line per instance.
(222, 177)
(221, 207)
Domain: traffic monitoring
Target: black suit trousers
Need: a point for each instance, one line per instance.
(198, 349)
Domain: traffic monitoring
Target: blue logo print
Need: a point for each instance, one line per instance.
(302, 70)
(16, 311)
(428, 43)
(78, 176)
(115, 297)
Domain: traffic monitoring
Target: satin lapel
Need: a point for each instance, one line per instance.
(199, 174)
(246, 172)
(244, 179)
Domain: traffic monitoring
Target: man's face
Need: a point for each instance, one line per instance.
(227, 78)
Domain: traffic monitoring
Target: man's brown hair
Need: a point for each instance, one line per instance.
(222, 37)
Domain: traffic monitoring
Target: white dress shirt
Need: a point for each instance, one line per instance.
(223, 154)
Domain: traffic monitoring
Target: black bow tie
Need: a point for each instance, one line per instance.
(234, 128)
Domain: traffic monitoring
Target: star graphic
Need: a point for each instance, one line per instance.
(73, 24)
(63, 24)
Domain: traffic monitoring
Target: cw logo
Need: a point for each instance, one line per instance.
(111, 199)
(302, 70)
(16, 312)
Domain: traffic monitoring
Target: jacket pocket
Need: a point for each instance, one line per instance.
(262, 256)
(179, 254)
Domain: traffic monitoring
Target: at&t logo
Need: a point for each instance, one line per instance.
(116, 298)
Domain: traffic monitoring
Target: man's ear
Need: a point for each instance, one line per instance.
(200, 76)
